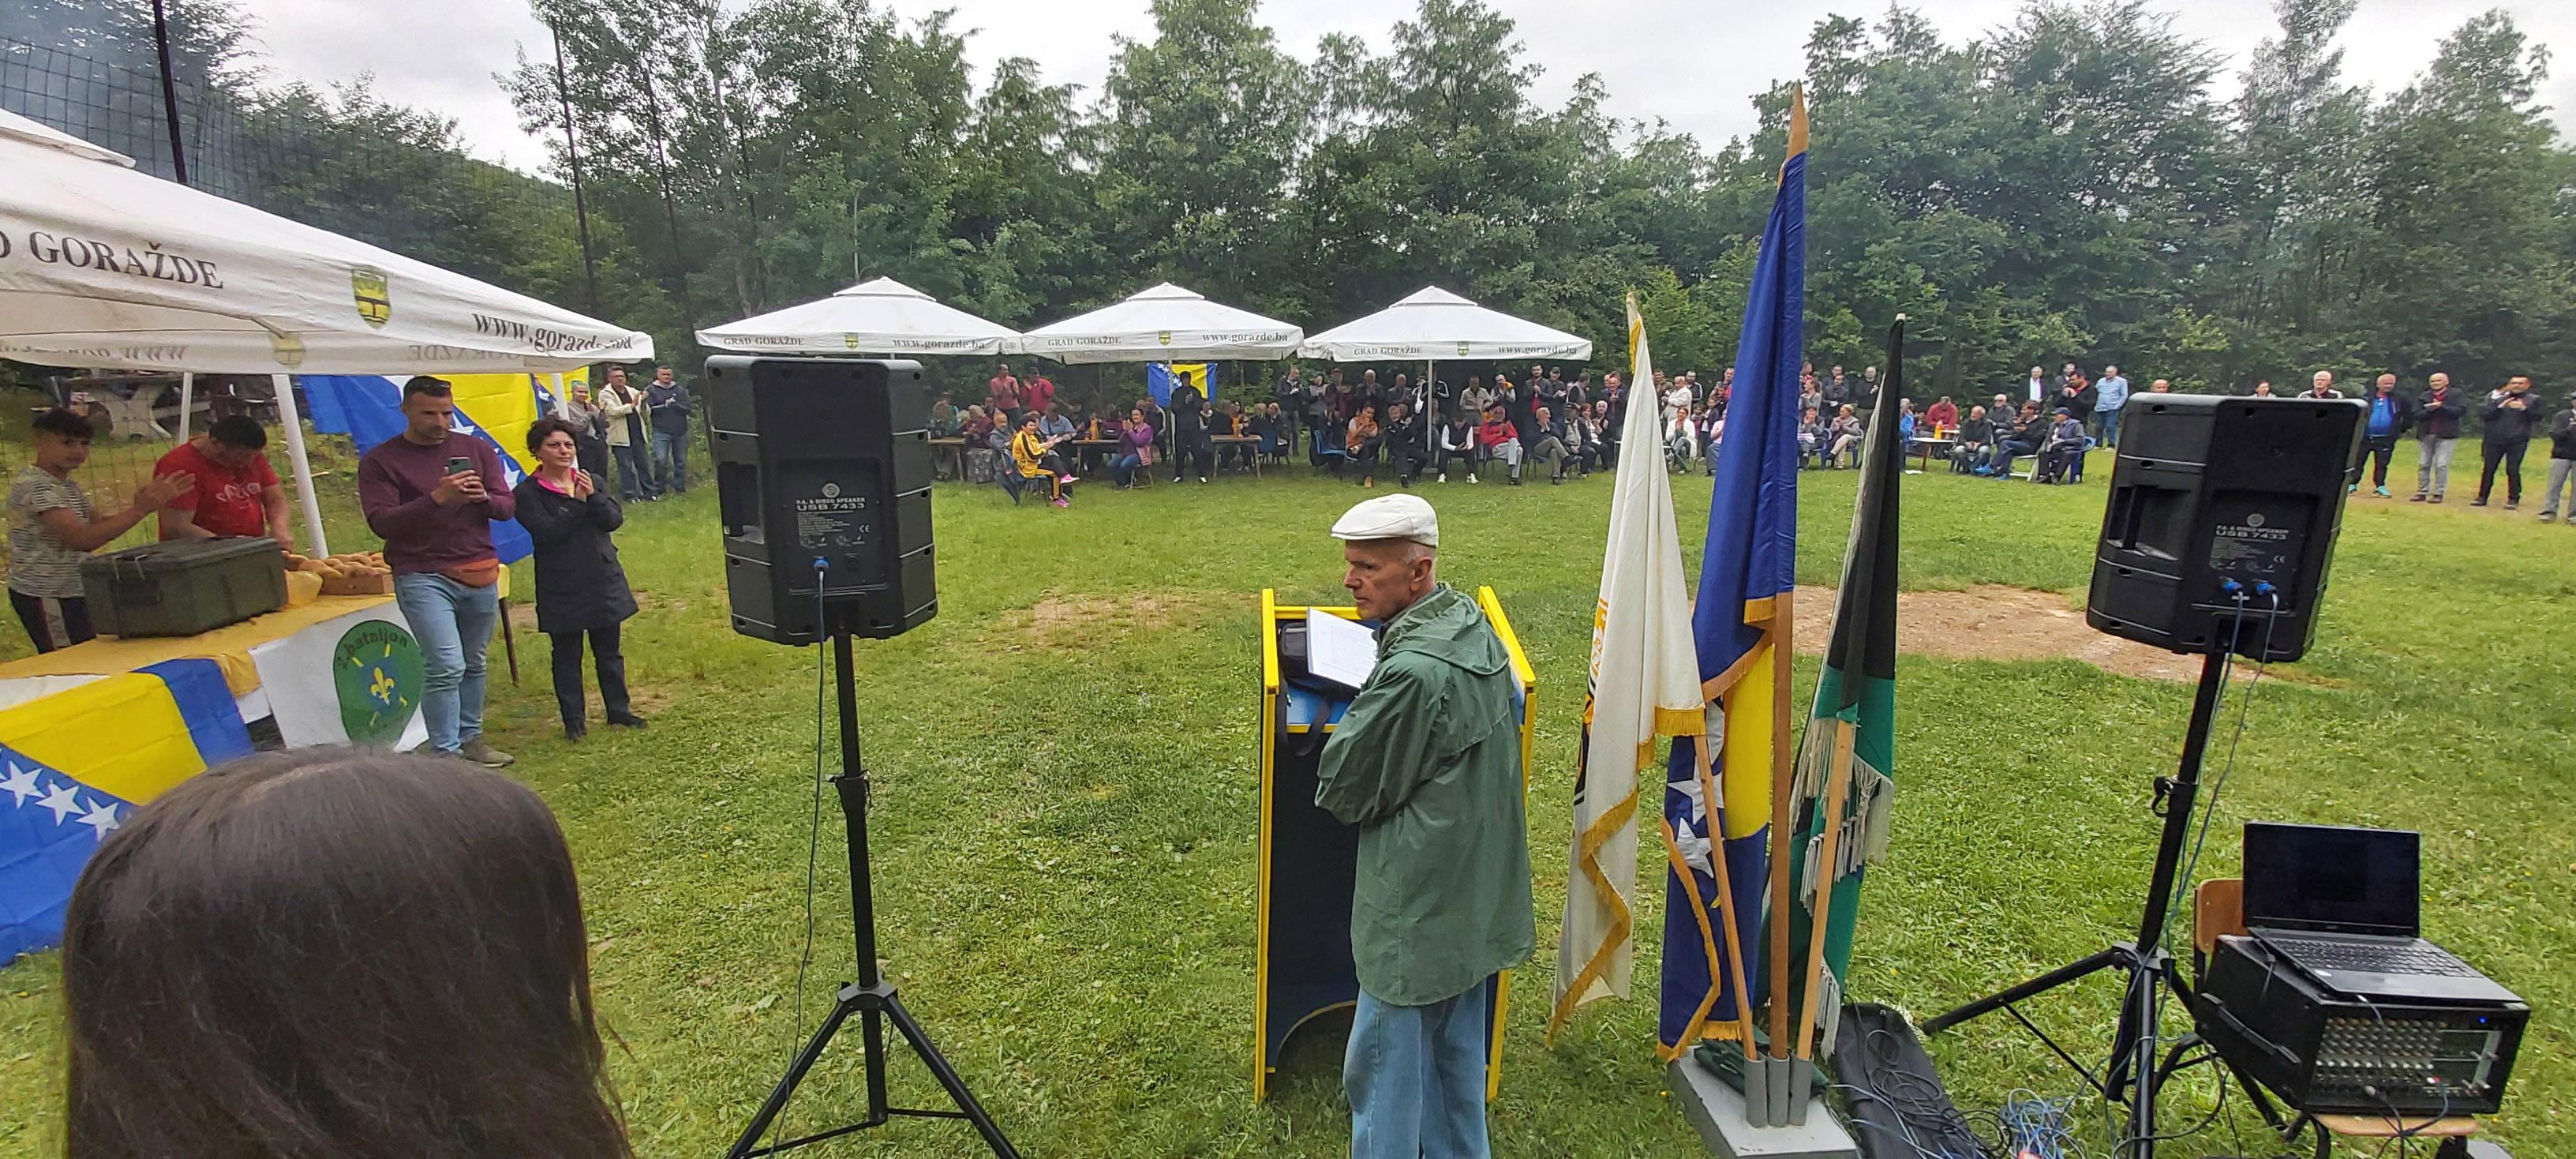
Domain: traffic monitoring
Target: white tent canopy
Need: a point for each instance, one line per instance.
(102, 265)
(883, 316)
(1436, 324)
(1163, 324)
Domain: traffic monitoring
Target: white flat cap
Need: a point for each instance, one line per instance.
(1391, 517)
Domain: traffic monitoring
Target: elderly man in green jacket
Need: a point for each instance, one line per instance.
(1427, 762)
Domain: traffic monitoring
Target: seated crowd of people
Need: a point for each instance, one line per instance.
(1027, 433)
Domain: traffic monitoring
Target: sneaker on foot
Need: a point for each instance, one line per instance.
(2382, 492)
(482, 753)
(2549, 517)
(1471, 478)
(1444, 477)
(2513, 504)
(2437, 499)
(2472, 502)
(1202, 478)
(1061, 501)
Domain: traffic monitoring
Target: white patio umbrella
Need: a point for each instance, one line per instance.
(102, 265)
(882, 316)
(1434, 324)
(1163, 324)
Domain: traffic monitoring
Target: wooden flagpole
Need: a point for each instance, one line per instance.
(1837, 787)
(1726, 901)
(1782, 788)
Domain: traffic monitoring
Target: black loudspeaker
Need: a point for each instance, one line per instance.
(2215, 498)
(822, 478)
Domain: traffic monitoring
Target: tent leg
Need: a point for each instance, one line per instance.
(563, 410)
(294, 424)
(187, 399)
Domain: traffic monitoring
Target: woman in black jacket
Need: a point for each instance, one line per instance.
(580, 587)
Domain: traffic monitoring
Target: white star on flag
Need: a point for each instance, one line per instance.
(102, 818)
(21, 784)
(64, 800)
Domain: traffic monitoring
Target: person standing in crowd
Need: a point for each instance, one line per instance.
(2160, 386)
(2322, 386)
(1037, 392)
(1290, 396)
(669, 403)
(52, 528)
(1135, 450)
(2511, 415)
(1190, 442)
(2074, 393)
(2263, 389)
(236, 492)
(1497, 439)
(1471, 401)
(433, 494)
(1427, 764)
(581, 587)
(2111, 394)
(2562, 465)
(2437, 435)
(624, 410)
(333, 951)
(1034, 456)
(1002, 397)
(1834, 394)
(582, 410)
(2037, 388)
(2390, 414)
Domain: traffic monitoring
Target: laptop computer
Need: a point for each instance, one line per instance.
(2342, 905)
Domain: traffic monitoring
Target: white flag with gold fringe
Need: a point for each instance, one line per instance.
(1644, 684)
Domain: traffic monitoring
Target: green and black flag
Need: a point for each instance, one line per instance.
(1847, 759)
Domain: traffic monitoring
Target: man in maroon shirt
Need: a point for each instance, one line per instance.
(433, 494)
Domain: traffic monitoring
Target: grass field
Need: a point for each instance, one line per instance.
(1065, 769)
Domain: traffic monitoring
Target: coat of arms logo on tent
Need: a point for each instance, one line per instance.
(374, 297)
(1165, 337)
(1462, 350)
(850, 340)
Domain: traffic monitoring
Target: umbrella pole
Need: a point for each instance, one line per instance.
(187, 398)
(294, 424)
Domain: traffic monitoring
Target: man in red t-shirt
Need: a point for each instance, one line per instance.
(1038, 392)
(237, 492)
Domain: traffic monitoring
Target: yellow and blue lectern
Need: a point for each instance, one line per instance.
(1303, 965)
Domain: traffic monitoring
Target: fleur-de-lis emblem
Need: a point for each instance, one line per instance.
(382, 686)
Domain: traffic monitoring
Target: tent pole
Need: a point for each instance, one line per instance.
(1429, 418)
(187, 399)
(563, 402)
(294, 424)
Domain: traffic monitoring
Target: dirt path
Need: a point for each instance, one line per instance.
(1994, 622)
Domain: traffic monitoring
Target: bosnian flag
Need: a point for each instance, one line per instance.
(1645, 684)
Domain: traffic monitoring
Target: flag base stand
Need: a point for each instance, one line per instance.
(1716, 1110)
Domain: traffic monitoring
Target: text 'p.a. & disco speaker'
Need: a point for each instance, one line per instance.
(822, 460)
(2222, 520)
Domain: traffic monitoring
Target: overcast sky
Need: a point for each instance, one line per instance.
(1690, 62)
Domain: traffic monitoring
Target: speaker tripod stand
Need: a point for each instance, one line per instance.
(2151, 971)
(871, 998)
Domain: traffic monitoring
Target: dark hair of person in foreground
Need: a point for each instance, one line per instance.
(334, 952)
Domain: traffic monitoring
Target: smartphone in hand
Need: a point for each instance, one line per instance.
(458, 463)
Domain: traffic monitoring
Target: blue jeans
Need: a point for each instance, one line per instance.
(671, 459)
(634, 472)
(1126, 467)
(453, 623)
(2106, 425)
(1415, 1076)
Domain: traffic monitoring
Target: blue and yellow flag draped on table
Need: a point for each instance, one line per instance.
(1740, 623)
(497, 408)
(66, 782)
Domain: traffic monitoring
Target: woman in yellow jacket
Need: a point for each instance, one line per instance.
(1036, 459)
